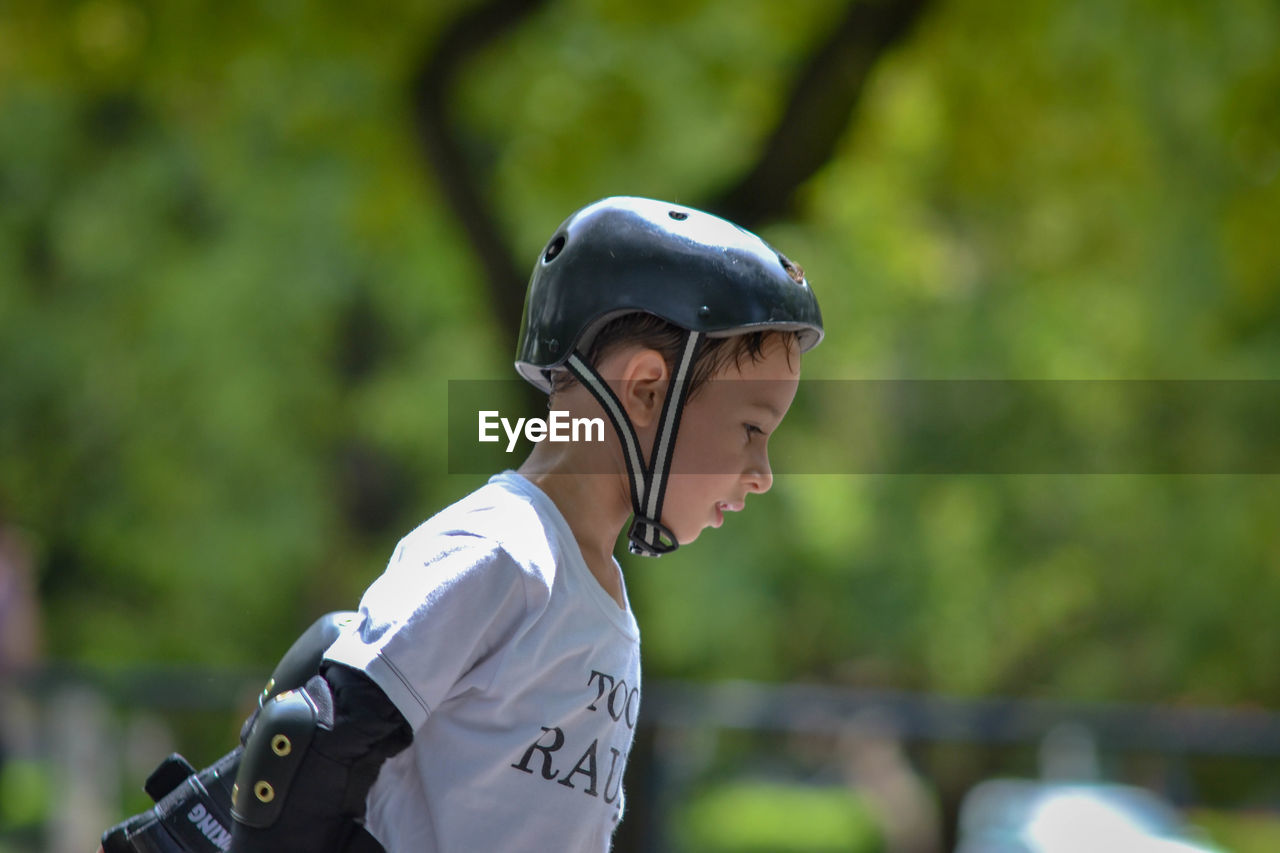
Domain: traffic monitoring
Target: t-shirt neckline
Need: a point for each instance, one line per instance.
(623, 618)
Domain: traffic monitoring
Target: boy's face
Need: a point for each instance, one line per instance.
(721, 452)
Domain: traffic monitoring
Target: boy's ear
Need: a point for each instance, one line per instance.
(643, 386)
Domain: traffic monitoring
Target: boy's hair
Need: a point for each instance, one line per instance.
(653, 332)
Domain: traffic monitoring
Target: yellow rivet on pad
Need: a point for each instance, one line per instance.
(264, 792)
(281, 746)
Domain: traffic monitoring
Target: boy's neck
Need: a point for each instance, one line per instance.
(595, 506)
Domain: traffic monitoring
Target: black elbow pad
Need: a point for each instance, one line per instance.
(309, 761)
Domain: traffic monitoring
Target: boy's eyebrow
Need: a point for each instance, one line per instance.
(768, 407)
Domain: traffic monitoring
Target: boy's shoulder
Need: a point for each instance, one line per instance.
(506, 520)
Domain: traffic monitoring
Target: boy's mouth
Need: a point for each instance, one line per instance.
(725, 506)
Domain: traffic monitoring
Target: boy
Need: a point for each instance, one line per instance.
(486, 696)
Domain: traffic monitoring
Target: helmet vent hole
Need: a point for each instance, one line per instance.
(793, 269)
(553, 249)
(678, 215)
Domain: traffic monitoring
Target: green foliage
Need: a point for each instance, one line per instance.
(26, 796)
(231, 299)
(1239, 833)
(778, 818)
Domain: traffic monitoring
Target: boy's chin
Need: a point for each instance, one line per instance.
(691, 537)
(689, 532)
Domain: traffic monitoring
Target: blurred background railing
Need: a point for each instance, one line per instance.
(733, 766)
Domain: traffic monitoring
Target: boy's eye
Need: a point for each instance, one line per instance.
(752, 430)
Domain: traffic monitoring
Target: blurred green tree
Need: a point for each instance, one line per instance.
(244, 247)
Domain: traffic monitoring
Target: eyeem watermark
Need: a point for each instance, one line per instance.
(558, 427)
(938, 427)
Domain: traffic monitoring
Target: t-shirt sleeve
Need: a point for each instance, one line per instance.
(443, 607)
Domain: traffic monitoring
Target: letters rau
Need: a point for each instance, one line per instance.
(611, 696)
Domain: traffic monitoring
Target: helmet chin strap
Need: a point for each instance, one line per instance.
(648, 536)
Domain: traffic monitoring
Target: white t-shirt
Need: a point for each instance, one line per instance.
(519, 674)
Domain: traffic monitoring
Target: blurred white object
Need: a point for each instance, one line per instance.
(1016, 816)
(1070, 812)
(1103, 819)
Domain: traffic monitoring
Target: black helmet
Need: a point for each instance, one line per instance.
(694, 270)
(697, 271)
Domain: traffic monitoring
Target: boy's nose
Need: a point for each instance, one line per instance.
(759, 477)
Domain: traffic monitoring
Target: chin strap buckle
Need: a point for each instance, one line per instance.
(663, 540)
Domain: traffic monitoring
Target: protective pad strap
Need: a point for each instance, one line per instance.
(193, 817)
